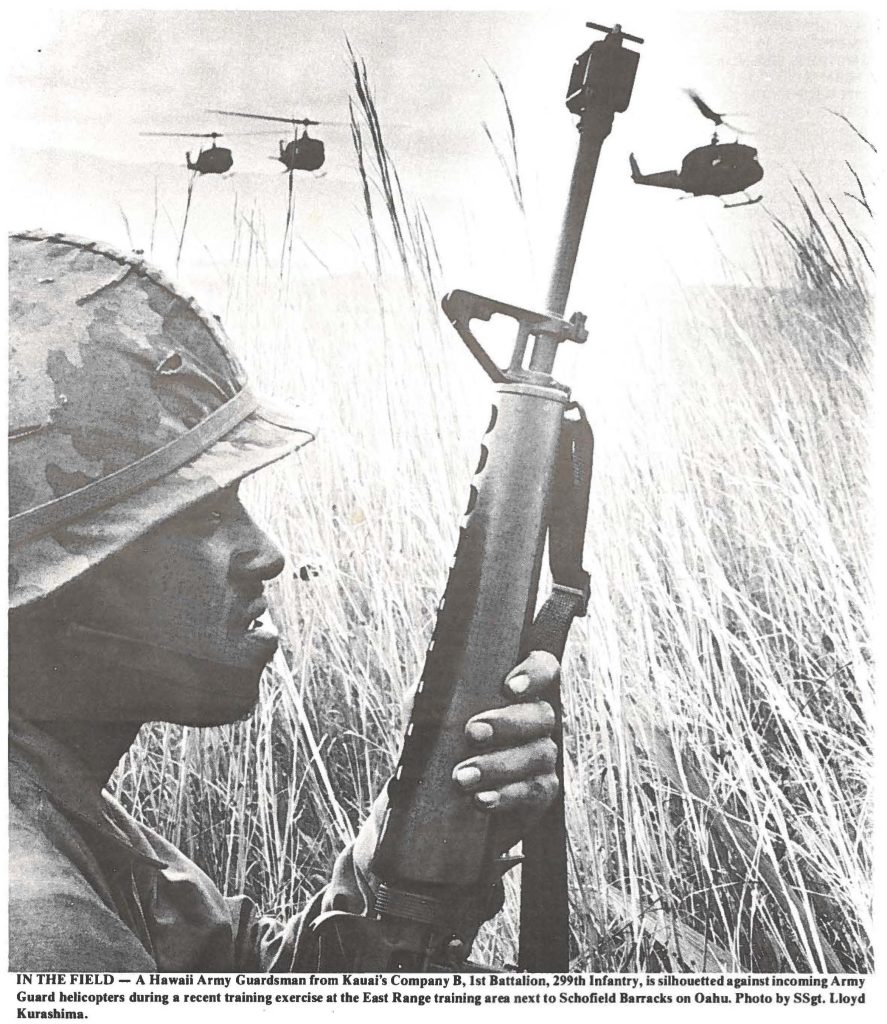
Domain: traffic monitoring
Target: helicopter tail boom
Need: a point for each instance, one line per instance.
(660, 179)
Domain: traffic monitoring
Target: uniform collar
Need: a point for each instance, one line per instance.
(38, 759)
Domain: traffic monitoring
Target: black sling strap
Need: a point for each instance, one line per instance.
(544, 915)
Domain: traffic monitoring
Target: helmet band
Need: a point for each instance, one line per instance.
(25, 526)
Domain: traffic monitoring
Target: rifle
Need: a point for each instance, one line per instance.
(437, 851)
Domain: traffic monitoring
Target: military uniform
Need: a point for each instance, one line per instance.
(128, 411)
(127, 407)
(91, 889)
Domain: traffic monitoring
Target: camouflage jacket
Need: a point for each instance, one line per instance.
(91, 889)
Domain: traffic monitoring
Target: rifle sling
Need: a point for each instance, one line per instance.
(544, 915)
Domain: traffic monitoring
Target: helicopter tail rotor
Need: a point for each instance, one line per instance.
(635, 170)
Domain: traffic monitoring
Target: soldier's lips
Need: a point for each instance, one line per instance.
(262, 628)
(261, 635)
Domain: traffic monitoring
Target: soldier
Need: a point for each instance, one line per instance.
(136, 595)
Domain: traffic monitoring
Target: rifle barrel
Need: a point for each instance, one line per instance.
(592, 132)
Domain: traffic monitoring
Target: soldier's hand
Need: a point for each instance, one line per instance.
(513, 771)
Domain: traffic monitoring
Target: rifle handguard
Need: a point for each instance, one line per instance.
(435, 843)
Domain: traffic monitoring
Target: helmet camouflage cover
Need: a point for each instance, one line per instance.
(126, 406)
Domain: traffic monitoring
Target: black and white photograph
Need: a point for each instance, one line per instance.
(441, 512)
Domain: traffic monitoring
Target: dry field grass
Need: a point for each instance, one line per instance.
(719, 693)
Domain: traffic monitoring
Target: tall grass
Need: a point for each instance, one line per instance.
(719, 693)
(192, 179)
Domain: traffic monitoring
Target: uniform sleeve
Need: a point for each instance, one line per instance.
(268, 944)
(57, 921)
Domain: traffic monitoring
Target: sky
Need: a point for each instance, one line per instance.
(83, 85)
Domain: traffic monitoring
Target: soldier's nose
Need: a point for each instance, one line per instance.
(257, 557)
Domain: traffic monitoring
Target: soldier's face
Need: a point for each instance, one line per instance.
(190, 595)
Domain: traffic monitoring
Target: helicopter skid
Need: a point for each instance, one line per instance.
(745, 202)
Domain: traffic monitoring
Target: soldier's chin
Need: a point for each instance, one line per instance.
(233, 698)
(145, 681)
(211, 694)
(254, 648)
(215, 692)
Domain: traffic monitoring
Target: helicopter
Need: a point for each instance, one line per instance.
(302, 152)
(215, 160)
(717, 169)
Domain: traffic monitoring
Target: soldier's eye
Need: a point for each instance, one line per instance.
(202, 522)
(211, 519)
(209, 515)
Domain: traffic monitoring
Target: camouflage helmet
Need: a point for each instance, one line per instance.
(126, 406)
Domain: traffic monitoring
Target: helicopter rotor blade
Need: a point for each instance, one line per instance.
(264, 117)
(306, 121)
(706, 110)
(703, 107)
(183, 135)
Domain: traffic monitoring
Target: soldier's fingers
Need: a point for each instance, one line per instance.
(512, 726)
(530, 796)
(533, 677)
(489, 771)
